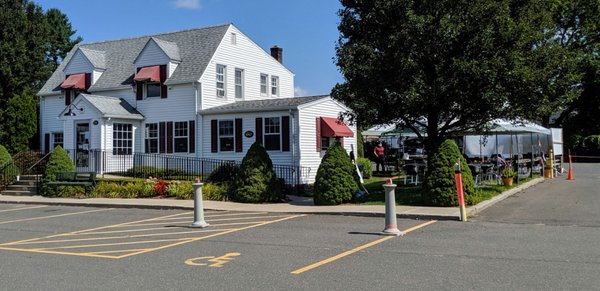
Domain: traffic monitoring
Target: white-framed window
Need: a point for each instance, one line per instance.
(57, 139)
(221, 70)
(226, 136)
(233, 38)
(151, 89)
(239, 83)
(151, 135)
(181, 137)
(122, 139)
(272, 133)
(274, 86)
(264, 85)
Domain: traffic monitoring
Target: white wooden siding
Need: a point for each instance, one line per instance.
(248, 124)
(171, 69)
(151, 55)
(253, 60)
(179, 105)
(96, 75)
(50, 107)
(78, 64)
(309, 157)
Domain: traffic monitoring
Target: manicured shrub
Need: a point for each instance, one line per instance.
(224, 173)
(439, 188)
(256, 180)
(335, 182)
(59, 162)
(181, 189)
(216, 192)
(160, 188)
(367, 167)
(4, 156)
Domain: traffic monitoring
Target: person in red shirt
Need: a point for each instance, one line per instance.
(379, 152)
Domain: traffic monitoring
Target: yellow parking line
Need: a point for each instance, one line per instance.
(116, 251)
(209, 236)
(165, 228)
(218, 215)
(352, 251)
(124, 236)
(113, 244)
(189, 221)
(23, 208)
(59, 253)
(53, 216)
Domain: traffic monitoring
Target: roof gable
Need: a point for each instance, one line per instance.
(196, 48)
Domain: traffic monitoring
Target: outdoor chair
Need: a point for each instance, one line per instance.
(412, 171)
(476, 172)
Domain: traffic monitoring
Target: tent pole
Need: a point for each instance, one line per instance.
(531, 139)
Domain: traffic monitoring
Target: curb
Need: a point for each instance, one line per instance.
(476, 209)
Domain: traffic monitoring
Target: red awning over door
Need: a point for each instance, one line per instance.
(332, 127)
(151, 74)
(75, 81)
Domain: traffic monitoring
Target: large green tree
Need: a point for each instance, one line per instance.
(32, 44)
(444, 65)
(20, 121)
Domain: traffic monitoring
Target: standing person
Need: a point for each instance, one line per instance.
(379, 152)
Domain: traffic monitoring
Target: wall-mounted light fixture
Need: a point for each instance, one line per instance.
(70, 112)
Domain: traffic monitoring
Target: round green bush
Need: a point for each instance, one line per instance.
(439, 188)
(256, 180)
(8, 170)
(335, 182)
(59, 162)
(225, 172)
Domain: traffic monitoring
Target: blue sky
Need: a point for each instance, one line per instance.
(305, 29)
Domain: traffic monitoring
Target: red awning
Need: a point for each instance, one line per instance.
(76, 81)
(332, 127)
(151, 74)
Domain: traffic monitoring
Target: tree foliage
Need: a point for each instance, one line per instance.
(4, 156)
(440, 187)
(33, 43)
(20, 121)
(445, 65)
(335, 182)
(256, 178)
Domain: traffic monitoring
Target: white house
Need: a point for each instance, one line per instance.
(205, 93)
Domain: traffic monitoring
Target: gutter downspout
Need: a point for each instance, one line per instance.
(197, 106)
(294, 161)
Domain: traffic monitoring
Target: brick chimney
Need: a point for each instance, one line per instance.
(277, 53)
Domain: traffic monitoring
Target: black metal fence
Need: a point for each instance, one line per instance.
(142, 165)
(8, 174)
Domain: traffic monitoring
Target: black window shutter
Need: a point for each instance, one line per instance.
(139, 89)
(88, 80)
(163, 78)
(67, 97)
(239, 146)
(213, 136)
(162, 137)
(170, 137)
(47, 142)
(285, 133)
(259, 130)
(192, 135)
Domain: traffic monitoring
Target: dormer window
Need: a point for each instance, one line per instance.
(75, 84)
(150, 82)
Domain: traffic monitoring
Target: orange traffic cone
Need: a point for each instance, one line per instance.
(570, 175)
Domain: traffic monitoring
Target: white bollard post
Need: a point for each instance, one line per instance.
(391, 222)
(198, 206)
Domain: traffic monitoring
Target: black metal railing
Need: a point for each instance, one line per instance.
(8, 174)
(170, 167)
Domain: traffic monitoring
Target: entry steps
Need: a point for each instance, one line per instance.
(24, 187)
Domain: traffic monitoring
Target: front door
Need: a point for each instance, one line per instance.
(82, 151)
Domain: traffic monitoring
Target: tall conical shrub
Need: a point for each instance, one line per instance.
(4, 155)
(439, 188)
(256, 179)
(335, 182)
(59, 162)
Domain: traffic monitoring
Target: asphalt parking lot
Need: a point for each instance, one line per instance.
(65, 247)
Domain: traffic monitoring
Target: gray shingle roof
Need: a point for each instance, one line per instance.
(97, 58)
(170, 48)
(112, 107)
(196, 48)
(263, 105)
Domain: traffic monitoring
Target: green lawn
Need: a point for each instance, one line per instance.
(411, 194)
